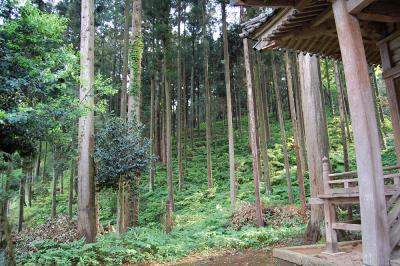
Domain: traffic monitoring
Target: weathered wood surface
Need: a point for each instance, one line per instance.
(347, 227)
(376, 248)
(394, 104)
(316, 136)
(86, 186)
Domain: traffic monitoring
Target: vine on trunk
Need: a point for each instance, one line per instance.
(135, 56)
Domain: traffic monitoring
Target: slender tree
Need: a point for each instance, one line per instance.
(262, 120)
(208, 97)
(71, 188)
(282, 128)
(251, 105)
(339, 89)
(299, 157)
(44, 163)
(179, 101)
(86, 186)
(232, 175)
(124, 87)
(381, 134)
(6, 243)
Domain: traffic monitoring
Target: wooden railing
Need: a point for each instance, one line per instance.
(341, 185)
(347, 182)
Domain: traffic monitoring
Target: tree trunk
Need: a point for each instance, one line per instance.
(342, 114)
(170, 197)
(239, 111)
(86, 185)
(134, 97)
(152, 134)
(378, 101)
(262, 127)
(44, 163)
(346, 106)
(208, 98)
(282, 127)
(232, 175)
(299, 113)
(192, 96)
(316, 135)
(28, 182)
(56, 174)
(38, 161)
(328, 88)
(253, 132)
(382, 141)
(22, 195)
(264, 99)
(6, 244)
(299, 158)
(124, 87)
(135, 200)
(121, 206)
(71, 189)
(179, 102)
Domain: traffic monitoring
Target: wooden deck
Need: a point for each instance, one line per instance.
(350, 254)
(342, 188)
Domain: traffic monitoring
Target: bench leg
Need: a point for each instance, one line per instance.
(331, 235)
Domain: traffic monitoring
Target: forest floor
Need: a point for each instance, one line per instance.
(206, 231)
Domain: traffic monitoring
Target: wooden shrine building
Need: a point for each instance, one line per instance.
(360, 33)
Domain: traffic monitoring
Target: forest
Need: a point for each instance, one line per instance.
(151, 132)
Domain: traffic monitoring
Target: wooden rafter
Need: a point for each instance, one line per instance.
(356, 6)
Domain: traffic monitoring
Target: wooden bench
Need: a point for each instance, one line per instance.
(342, 188)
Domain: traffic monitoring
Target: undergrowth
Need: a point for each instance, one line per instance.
(201, 216)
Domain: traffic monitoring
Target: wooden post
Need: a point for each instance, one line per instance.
(392, 97)
(326, 170)
(375, 237)
(329, 211)
(330, 233)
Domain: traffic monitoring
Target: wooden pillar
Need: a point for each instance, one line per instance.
(392, 97)
(375, 237)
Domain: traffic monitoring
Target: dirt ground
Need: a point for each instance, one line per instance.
(237, 258)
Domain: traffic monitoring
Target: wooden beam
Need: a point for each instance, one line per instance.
(276, 23)
(375, 237)
(347, 227)
(378, 17)
(264, 3)
(311, 32)
(356, 6)
(322, 17)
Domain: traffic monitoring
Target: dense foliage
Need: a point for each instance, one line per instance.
(121, 151)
